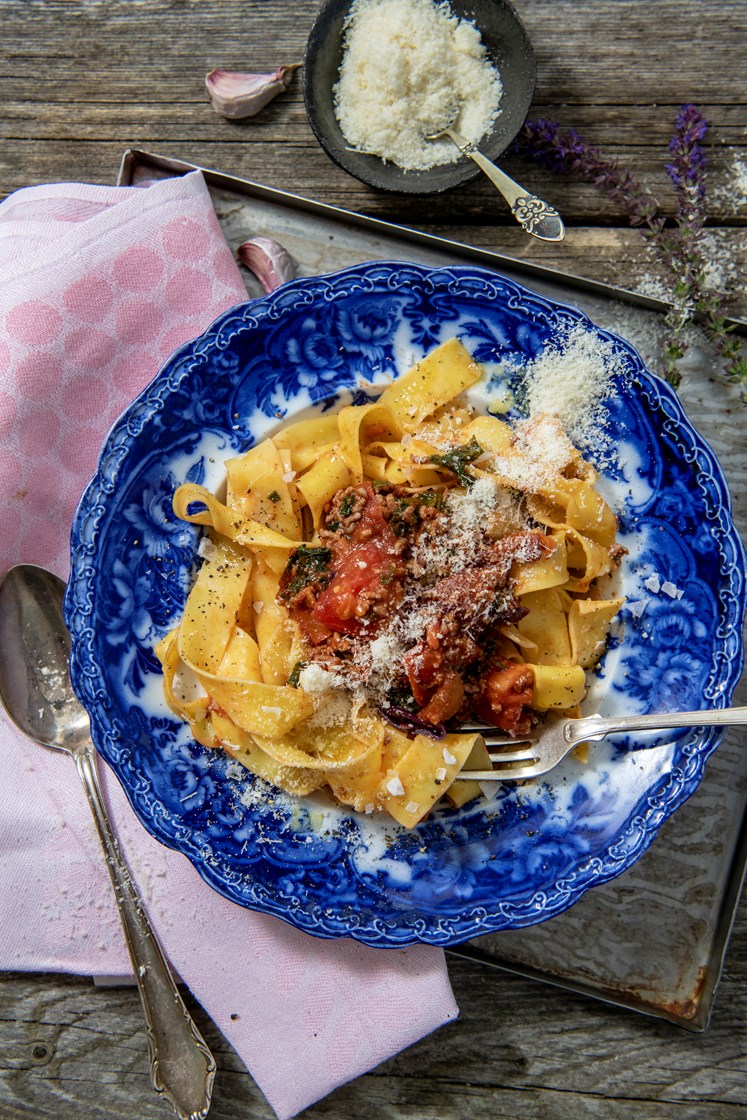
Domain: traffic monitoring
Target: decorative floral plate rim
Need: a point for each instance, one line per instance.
(343, 880)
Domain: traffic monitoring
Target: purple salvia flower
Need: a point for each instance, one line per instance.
(679, 250)
(683, 245)
(543, 142)
(688, 166)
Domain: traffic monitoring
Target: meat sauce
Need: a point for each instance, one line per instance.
(343, 593)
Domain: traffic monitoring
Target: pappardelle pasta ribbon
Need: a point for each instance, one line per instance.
(377, 576)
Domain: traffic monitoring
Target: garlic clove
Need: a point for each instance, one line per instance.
(268, 260)
(236, 95)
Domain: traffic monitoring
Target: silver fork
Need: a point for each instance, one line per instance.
(558, 735)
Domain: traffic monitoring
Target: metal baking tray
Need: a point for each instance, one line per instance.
(654, 939)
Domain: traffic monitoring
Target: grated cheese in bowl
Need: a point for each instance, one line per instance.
(410, 68)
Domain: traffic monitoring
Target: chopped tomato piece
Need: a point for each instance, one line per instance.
(423, 668)
(504, 697)
(340, 606)
(358, 563)
(445, 701)
(313, 630)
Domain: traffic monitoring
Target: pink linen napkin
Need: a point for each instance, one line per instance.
(98, 285)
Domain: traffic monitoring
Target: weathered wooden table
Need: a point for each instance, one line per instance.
(81, 80)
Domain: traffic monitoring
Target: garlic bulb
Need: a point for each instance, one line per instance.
(268, 260)
(243, 95)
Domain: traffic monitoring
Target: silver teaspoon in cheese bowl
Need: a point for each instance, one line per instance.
(532, 214)
(36, 692)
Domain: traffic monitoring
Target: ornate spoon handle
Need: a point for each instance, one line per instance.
(182, 1067)
(533, 215)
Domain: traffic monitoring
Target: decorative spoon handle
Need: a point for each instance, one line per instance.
(532, 214)
(181, 1065)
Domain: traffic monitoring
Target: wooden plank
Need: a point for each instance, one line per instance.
(307, 171)
(519, 1050)
(122, 83)
(593, 51)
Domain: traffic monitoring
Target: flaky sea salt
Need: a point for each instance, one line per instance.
(206, 549)
(395, 787)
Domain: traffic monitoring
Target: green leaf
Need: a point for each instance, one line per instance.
(457, 458)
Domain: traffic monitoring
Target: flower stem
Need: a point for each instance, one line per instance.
(679, 250)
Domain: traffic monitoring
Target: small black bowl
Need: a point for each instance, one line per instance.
(508, 47)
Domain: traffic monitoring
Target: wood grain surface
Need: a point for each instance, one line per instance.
(80, 81)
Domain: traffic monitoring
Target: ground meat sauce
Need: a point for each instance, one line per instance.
(368, 566)
(361, 582)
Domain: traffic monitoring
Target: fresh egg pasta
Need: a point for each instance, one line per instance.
(379, 577)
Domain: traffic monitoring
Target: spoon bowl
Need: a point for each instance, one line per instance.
(35, 682)
(36, 692)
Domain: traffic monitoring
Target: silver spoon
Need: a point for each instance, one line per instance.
(532, 214)
(36, 692)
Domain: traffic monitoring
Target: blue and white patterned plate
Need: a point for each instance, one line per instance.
(533, 851)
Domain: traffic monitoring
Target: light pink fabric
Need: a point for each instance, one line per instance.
(98, 285)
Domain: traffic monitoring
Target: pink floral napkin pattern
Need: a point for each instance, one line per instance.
(98, 285)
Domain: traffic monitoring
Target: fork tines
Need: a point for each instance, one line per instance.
(493, 737)
(525, 752)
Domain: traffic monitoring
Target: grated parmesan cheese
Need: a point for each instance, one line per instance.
(543, 451)
(543, 440)
(470, 508)
(313, 678)
(235, 771)
(386, 652)
(570, 380)
(411, 68)
(336, 711)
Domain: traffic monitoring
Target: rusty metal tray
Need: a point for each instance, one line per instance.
(654, 939)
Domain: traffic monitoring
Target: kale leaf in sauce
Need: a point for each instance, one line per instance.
(305, 566)
(457, 458)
